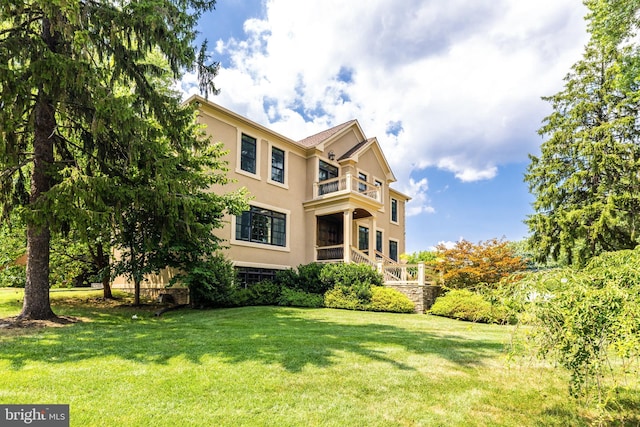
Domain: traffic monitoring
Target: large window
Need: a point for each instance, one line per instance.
(394, 210)
(248, 154)
(393, 250)
(363, 239)
(248, 276)
(277, 165)
(262, 226)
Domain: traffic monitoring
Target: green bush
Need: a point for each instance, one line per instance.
(352, 279)
(210, 282)
(390, 300)
(337, 298)
(587, 320)
(382, 299)
(464, 304)
(306, 278)
(261, 293)
(13, 276)
(294, 298)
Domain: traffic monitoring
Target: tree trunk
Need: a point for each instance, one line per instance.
(36, 304)
(136, 292)
(36, 292)
(102, 260)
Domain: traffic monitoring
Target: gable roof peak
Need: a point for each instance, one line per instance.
(318, 138)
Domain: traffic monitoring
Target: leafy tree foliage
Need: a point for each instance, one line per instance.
(469, 265)
(428, 257)
(587, 320)
(80, 109)
(586, 180)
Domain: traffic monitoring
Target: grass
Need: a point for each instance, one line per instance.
(274, 366)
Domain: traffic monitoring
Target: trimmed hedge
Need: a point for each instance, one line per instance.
(391, 300)
(382, 299)
(463, 304)
(294, 298)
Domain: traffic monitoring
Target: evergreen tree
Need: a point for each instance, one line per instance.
(79, 106)
(587, 179)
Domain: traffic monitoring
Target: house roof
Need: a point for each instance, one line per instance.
(319, 138)
(355, 149)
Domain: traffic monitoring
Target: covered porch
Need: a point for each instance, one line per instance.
(346, 236)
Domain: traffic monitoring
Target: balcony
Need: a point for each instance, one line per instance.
(346, 185)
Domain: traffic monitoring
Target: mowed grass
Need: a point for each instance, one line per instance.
(272, 366)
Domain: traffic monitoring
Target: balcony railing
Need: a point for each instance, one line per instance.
(330, 253)
(346, 184)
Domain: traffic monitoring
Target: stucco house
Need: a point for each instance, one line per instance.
(325, 198)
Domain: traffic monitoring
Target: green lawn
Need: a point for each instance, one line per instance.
(271, 366)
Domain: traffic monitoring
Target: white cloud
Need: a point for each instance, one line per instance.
(419, 202)
(460, 80)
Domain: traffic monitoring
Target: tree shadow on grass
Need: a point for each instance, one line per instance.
(270, 335)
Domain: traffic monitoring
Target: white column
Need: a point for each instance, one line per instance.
(346, 234)
(372, 239)
(421, 273)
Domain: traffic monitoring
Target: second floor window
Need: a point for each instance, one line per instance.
(394, 210)
(262, 226)
(277, 165)
(362, 186)
(327, 171)
(248, 154)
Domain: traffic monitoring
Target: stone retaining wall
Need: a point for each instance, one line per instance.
(423, 296)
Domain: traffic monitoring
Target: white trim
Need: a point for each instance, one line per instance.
(284, 184)
(239, 169)
(266, 246)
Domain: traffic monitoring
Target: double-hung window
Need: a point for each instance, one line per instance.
(393, 250)
(277, 165)
(379, 241)
(394, 210)
(362, 186)
(248, 154)
(363, 239)
(260, 225)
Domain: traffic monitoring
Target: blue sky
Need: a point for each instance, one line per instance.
(450, 89)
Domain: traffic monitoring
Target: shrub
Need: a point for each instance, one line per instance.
(338, 298)
(292, 297)
(261, 293)
(382, 299)
(391, 300)
(13, 276)
(584, 318)
(210, 282)
(468, 265)
(306, 278)
(352, 279)
(464, 304)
